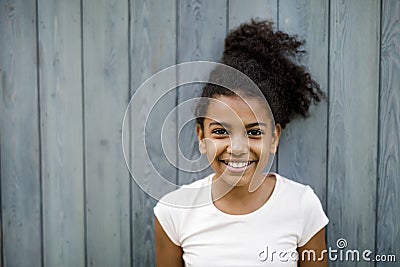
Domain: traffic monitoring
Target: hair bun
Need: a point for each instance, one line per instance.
(258, 40)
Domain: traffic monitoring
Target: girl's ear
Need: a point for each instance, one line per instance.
(275, 138)
(200, 137)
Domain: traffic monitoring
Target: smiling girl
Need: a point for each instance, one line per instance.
(252, 218)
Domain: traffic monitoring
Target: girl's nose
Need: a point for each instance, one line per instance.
(238, 145)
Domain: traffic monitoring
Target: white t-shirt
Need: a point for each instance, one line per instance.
(268, 236)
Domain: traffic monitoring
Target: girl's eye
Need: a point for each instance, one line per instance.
(220, 131)
(254, 132)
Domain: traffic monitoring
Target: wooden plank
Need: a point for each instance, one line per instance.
(62, 140)
(153, 47)
(388, 208)
(1, 207)
(303, 146)
(20, 151)
(240, 12)
(353, 122)
(105, 50)
(201, 33)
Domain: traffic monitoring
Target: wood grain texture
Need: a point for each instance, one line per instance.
(259, 9)
(240, 12)
(153, 47)
(201, 33)
(20, 150)
(105, 50)
(1, 211)
(353, 120)
(303, 145)
(388, 208)
(62, 135)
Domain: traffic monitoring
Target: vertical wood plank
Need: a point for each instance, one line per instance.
(20, 154)
(201, 33)
(241, 12)
(353, 122)
(1, 207)
(105, 50)
(153, 47)
(388, 209)
(62, 140)
(303, 146)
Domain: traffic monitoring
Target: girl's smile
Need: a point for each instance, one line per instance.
(237, 166)
(237, 142)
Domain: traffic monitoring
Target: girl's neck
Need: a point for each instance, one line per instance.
(239, 201)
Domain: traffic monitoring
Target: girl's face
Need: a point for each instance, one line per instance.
(236, 141)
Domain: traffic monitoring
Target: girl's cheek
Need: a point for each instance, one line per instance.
(262, 147)
(213, 148)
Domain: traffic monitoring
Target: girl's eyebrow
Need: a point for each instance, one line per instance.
(227, 125)
(256, 124)
(223, 124)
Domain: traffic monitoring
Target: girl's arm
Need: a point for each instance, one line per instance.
(167, 253)
(313, 253)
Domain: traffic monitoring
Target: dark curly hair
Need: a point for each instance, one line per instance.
(268, 58)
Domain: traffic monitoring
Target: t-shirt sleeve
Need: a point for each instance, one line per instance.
(164, 215)
(313, 216)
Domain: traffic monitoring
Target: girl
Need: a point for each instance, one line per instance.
(278, 222)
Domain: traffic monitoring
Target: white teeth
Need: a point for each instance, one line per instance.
(238, 164)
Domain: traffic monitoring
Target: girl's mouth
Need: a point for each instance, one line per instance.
(237, 166)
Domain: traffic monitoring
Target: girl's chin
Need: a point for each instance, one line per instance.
(235, 180)
(236, 176)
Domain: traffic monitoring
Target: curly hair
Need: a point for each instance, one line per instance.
(268, 58)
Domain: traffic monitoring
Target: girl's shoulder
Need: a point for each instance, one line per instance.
(289, 188)
(290, 183)
(191, 195)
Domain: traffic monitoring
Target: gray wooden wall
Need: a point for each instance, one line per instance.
(68, 69)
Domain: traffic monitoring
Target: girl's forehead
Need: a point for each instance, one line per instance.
(228, 108)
